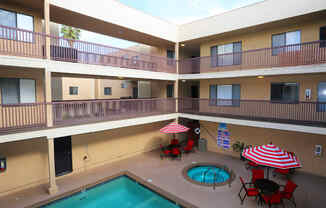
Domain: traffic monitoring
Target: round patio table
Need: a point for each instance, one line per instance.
(266, 186)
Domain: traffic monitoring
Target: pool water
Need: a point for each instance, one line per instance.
(206, 174)
(122, 192)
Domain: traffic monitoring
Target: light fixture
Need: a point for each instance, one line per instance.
(120, 77)
(182, 45)
(260, 77)
(183, 80)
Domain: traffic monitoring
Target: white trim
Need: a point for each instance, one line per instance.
(259, 124)
(85, 128)
(303, 69)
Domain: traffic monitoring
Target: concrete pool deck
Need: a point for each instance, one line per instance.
(167, 175)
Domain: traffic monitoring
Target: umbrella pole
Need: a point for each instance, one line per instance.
(267, 172)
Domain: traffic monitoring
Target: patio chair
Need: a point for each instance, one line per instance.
(274, 199)
(257, 174)
(249, 189)
(288, 190)
(189, 146)
(164, 152)
(251, 164)
(174, 142)
(176, 153)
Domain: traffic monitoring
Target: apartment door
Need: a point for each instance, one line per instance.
(62, 155)
(322, 97)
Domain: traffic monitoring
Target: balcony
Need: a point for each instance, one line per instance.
(292, 55)
(300, 113)
(17, 42)
(23, 117)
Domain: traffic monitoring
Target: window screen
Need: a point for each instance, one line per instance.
(73, 90)
(107, 91)
(224, 94)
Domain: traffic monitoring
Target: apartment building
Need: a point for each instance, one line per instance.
(262, 73)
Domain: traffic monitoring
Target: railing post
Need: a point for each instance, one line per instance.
(53, 188)
(48, 98)
(47, 29)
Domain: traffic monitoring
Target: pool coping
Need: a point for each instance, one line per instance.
(229, 181)
(141, 181)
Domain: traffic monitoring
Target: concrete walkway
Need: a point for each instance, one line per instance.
(167, 175)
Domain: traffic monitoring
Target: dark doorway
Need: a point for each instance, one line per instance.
(322, 37)
(194, 91)
(62, 155)
(135, 92)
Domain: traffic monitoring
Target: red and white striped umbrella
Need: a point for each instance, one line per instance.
(271, 156)
(173, 128)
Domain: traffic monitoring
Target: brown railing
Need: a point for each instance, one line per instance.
(20, 116)
(305, 113)
(291, 55)
(18, 42)
(75, 112)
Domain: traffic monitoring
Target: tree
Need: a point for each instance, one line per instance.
(70, 33)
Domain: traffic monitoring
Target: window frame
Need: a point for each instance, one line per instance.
(73, 87)
(235, 55)
(283, 47)
(214, 101)
(167, 90)
(15, 32)
(109, 91)
(18, 90)
(285, 101)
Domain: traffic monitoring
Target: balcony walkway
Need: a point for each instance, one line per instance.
(167, 175)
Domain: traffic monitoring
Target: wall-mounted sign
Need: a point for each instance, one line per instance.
(223, 136)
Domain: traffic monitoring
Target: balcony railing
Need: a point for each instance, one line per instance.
(20, 116)
(75, 112)
(291, 55)
(303, 113)
(18, 42)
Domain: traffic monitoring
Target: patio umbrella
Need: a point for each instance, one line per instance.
(173, 128)
(271, 156)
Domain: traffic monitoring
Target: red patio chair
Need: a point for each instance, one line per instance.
(176, 153)
(189, 146)
(273, 199)
(249, 191)
(288, 190)
(165, 152)
(174, 142)
(257, 174)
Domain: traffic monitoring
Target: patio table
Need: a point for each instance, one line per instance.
(266, 186)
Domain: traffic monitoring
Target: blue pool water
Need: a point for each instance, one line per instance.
(205, 174)
(121, 192)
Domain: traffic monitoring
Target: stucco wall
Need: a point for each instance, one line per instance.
(117, 90)
(86, 88)
(259, 89)
(263, 38)
(300, 143)
(27, 161)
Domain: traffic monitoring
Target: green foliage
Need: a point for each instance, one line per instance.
(239, 146)
(71, 33)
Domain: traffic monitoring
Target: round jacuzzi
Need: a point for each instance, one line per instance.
(208, 174)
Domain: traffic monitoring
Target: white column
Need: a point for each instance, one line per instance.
(53, 188)
(176, 83)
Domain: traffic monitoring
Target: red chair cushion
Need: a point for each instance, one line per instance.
(166, 152)
(175, 151)
(289, 189)
(257, 174)
(252, 192)
(174, 141)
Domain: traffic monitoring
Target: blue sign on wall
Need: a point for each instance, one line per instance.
(223, 136)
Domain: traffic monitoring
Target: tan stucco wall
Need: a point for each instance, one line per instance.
(159, 88)
(115, 85)
(27, 161)
(300, 143)
(86, 88)
(263, 38)
(259, 89)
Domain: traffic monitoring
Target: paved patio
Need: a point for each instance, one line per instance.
(167, 175)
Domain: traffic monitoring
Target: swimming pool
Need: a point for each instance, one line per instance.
(121, 192)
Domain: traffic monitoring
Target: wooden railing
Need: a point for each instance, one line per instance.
(305, 113)
(292, 55)
(20, 116)
(74, 112)
(17, 42)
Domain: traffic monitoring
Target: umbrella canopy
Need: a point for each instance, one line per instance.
(173, 128)
(271, 156)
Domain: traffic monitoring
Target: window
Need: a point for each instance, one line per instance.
(322, 37)
(15, 91)
(107, 91)
(285, 92)
(170, 55)
(225, 95)
(73, 90)
(134, 59)
(123, 85)
(226, 55)
(16, 20)
(285, 39)
(170, 90)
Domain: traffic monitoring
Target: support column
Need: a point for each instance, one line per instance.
(53, 188)
(47, 29)
(176, 84)
(48, 98)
